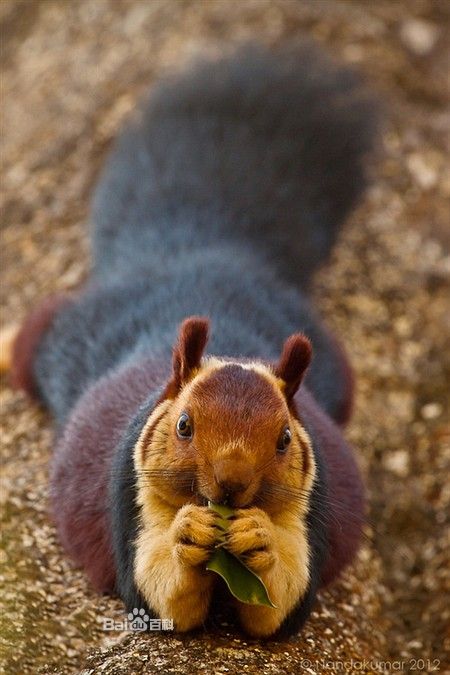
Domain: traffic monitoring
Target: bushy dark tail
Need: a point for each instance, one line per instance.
(267, 146)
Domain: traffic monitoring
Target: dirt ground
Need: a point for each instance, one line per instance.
(71, 73)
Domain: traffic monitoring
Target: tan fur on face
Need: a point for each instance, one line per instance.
(177, 534)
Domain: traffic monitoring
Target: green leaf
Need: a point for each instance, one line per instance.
(244, 584)
(225, 512)
(222, 509)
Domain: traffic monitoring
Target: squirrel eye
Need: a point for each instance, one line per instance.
(184, 426)
(284, 440)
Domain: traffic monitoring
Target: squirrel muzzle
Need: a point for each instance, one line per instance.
(233, 477)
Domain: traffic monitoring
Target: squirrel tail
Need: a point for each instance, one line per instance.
(268, 146)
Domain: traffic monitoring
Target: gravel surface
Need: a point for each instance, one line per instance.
(71, 73)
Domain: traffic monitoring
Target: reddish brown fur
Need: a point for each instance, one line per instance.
(28, 339)
(187, 353)
(294, 360)
(345, 511)
(238, 415)
(81, 466)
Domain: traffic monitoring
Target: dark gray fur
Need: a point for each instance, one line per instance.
(221, 198)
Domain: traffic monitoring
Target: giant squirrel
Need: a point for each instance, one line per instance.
(219, 200)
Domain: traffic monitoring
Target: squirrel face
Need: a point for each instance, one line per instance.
(228, 431)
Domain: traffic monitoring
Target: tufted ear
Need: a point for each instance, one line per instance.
(188, 350)
(294, 360)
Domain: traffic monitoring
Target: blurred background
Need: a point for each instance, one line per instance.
(71, 72)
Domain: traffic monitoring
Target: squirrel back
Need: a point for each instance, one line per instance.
(220, 198)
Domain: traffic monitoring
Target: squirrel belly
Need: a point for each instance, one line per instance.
(220, 199)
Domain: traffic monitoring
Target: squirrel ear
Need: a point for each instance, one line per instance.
(189, 348)
(294, 360)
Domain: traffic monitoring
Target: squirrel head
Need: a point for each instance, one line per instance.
(228, 430)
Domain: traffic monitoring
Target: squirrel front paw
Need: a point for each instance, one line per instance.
(250, 536)
(195, 533)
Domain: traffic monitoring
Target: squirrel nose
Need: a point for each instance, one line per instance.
(232, 476)
(231, 487)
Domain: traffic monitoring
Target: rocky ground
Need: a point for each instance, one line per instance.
(71, 72)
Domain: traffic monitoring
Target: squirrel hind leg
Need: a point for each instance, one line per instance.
(19, 344)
